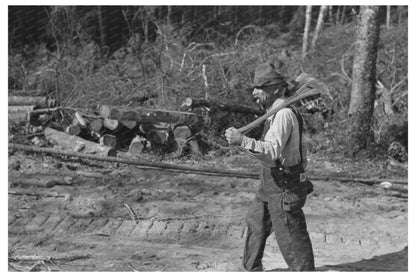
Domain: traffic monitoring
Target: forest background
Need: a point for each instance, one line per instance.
(156, 56)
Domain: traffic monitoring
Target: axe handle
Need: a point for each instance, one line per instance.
(289, 101)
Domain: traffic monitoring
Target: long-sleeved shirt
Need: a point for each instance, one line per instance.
(280, 140)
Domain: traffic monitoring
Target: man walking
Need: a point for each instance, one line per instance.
(281, 195)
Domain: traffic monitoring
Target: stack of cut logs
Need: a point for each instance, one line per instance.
(110, 128)
(29, 109)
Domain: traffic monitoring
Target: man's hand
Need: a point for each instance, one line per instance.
(233, 136)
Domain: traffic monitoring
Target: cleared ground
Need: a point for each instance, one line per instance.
(148, 220)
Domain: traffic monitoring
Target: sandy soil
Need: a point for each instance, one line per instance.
(188, 222)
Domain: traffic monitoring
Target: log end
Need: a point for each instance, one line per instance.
(112, 152)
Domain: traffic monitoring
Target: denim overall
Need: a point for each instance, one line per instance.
(278, 207)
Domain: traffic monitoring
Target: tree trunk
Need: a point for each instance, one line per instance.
(388, 17)
(331, 15)
(318, 26)
(341, 21)
(364, 79)
(76, 144)
(337, 15)
(400, 13)
(306, 30)
(103, 38)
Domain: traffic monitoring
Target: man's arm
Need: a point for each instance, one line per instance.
(269, 150)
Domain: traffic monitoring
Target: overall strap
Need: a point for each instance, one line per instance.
(300, 123)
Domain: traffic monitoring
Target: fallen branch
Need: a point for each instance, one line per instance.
(45, 181)
(66, 196)
(132, 214)
(190, 170)
(368, 181)
(34, 267)
(139, 163)
(68, 257)
(89, 174)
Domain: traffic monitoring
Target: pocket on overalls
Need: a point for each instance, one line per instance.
(294, 198)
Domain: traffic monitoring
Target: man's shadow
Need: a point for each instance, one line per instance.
(397, 261)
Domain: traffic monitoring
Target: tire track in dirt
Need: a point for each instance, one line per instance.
(37, 222)
(19, 225)
(53, 221)
(12, 218)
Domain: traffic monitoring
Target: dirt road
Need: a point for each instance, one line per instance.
(132, 219)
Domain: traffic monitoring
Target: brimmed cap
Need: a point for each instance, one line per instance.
(266, 75)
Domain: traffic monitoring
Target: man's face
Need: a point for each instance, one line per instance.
(265, 96)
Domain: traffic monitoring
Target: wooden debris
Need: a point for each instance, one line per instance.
(76, 143)
(89, 174)
(79, 120)
(182, 132)
(188, 169)
(26, 109)
(339, 178)
(191, 103)
(183, 138)
(135, 195)
(137, 145)
(108, 140)
(140, 163)
(38, 101)
(74, 130)
(96, 125)
(132, 214)
(18, 117)
(104, 111)
(130, 124)
(393, 186)
(158, 135)
(150, 115)
(66, 196)
(63, 257)
(40, 180)
(111, 124)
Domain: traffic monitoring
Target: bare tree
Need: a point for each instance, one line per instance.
(388, 17)
(364, 79)
(306, 30)
(103, 39)
(318, 26)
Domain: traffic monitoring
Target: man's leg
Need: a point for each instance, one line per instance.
(292, 237)
(258, 229)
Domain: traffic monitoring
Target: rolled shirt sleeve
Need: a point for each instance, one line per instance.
(281, 141)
